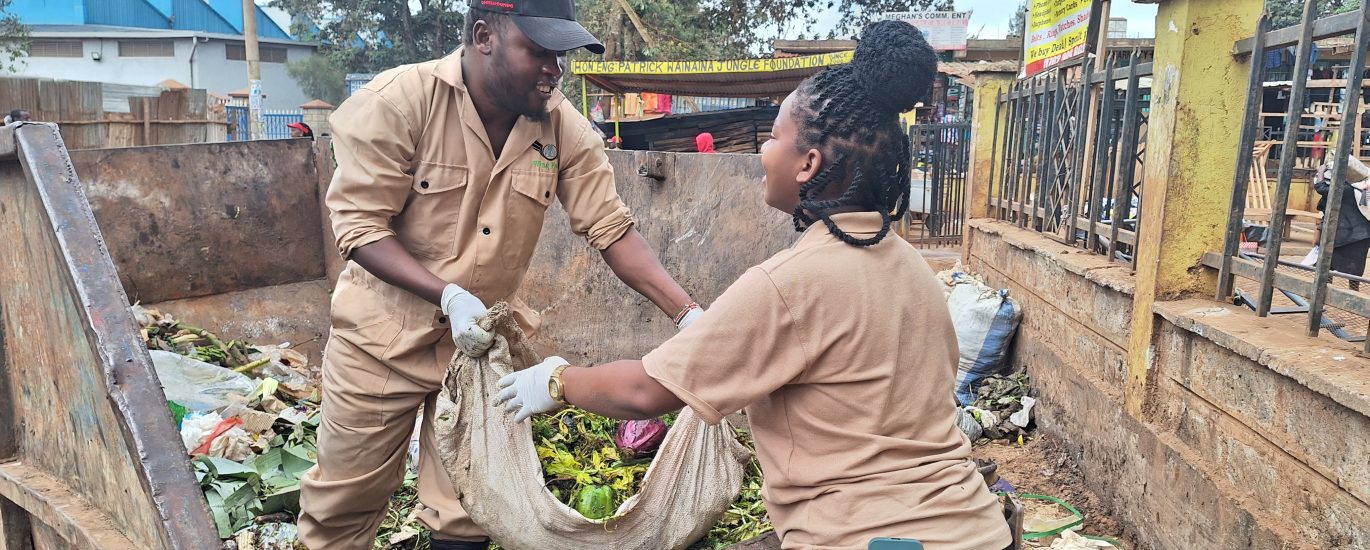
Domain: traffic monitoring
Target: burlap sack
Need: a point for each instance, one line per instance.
(494, 466)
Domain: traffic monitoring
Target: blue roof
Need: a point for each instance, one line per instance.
(213, 16)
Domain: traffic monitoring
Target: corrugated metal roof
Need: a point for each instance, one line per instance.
(107, 31)
(126, 14)
(210, 16)
(196, 15)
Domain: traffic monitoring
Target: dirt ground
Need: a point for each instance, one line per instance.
(1041, 466)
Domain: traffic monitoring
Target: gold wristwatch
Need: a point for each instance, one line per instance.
(555, 388)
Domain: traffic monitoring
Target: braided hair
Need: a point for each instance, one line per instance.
(851, 115)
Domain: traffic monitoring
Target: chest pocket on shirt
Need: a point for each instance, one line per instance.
(428, 226)
(531, 192)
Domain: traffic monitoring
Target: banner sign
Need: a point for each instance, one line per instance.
(711, 67)
(945, 30)
(1057, 31)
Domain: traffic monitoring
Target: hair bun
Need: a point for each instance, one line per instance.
(894, 64)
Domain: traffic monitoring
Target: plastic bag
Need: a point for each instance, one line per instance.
(199, 386)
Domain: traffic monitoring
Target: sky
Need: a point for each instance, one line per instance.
(990, 18)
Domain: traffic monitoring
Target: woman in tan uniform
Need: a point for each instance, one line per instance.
(840, 348)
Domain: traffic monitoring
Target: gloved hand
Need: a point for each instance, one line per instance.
(689, 317)
(462, 310)
(526, 392)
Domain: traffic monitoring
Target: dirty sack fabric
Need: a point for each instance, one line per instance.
(985, 320)
(494, 467)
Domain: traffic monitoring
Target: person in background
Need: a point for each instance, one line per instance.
(300, 129)
(704, 143)
(1351, 244)
(840, 348)
(17, 115)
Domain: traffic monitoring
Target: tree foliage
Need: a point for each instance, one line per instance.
(1287, 13)
(372, 35)
(14, 39)
(320, 77)
(1017, 26)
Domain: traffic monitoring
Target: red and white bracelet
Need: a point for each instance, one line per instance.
(683, 312)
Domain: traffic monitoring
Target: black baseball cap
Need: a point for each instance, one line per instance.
(550, 23)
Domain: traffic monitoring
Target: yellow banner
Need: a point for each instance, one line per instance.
(1057, 31)
(710, 67)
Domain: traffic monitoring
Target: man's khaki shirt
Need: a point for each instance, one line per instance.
(414, 163)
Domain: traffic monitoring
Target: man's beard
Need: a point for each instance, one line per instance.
(498, 90)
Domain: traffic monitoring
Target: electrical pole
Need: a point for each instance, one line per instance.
(254, 72)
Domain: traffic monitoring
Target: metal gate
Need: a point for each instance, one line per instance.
(937, 193)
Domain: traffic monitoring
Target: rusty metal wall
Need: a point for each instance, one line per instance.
(89, 456)
(195, 220)
(705, 220)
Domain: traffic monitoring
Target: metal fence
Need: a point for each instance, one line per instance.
(1257, 274)
(937, 195)
(276, 122)
(1069, 148)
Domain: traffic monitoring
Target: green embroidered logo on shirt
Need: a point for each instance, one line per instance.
(552, 166)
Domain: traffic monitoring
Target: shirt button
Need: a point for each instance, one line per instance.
(424, 184)
(442, 320)
(485, 231)
(546, 194)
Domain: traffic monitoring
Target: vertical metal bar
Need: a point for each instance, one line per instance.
(1004, 163)
(994, 144)
(1028, 133)
(1288, 156)
(1127, 149)
(1010, 133)
(1346, 140)
(1077, 178)
(1250, 125)
(1057, 167)
(1043, 150)
(1103, 138)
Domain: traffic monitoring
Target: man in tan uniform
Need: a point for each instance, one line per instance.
(445, 171)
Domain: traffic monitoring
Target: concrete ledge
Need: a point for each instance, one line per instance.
(1328, 366)
(1092, 267)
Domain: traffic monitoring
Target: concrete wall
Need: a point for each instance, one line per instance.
(1253, 435)
(209, 70)
(215, 73)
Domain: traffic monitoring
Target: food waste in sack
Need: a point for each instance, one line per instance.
(593, 464)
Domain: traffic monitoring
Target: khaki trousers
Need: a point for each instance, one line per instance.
(370, 397)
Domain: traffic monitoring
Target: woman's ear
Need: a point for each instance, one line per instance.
(812, 164)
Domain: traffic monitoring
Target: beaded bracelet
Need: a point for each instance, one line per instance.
(683, 312)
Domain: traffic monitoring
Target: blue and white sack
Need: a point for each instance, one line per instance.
(985, 320)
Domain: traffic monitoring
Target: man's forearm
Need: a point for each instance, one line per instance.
(390, 262)
(634, 262)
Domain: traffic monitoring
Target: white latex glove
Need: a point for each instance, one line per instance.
(526, 392)
(462, 310)
(689, 318)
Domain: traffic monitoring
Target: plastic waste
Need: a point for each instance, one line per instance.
(196, 428)
(1023, 417)
(234, 444)
(968, 424)
(986, 417)
(1072, 540)
(199, 386)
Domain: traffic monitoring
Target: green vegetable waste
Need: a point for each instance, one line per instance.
(583, 468)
